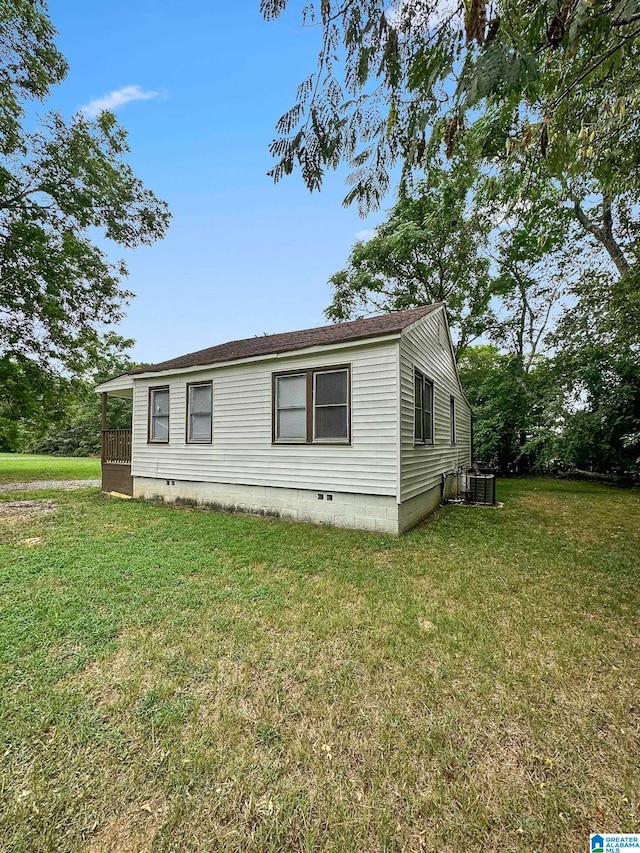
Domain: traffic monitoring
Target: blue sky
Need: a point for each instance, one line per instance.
(242, 256)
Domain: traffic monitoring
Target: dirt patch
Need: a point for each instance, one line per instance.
(62, 485)
(31, 542)
(127, 669)
(14, 511)
(131, 831)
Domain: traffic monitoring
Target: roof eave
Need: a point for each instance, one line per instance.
(123, 382)
(342, 345)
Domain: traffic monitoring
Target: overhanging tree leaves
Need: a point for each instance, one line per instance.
(396, 82)
(543, 99)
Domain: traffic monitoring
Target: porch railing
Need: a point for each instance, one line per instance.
(116, 446)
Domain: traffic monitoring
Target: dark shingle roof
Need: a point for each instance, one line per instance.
(369, 327)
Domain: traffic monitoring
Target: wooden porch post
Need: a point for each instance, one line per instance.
(104, 423)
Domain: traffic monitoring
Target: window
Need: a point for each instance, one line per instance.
(423, 409)
(291, 408)
(199, 412)
(312, 406)
(330, 405)
(159, 415)
(452, 418)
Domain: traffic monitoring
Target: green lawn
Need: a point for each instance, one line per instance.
(181, 680)
(24, 467)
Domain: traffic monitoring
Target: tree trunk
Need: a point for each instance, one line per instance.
(604, 234)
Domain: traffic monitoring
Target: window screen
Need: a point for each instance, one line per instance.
(331, 405)
(159, 411)
(423, 409)
(291, 408)
(452, 419)
(199, 413)
(419, 418)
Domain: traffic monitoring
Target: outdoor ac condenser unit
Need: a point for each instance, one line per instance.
(481, 488)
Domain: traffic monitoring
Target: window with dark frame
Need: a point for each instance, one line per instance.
(291, 408)
(199, 412)
(159, 415)
(423, 409)
(452, 418)
(330, 405)
(312, 406)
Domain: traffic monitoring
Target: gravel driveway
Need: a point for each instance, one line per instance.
(63, 485)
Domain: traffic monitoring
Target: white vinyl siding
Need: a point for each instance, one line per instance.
(383, 457)
(243, 451)
(422, 465)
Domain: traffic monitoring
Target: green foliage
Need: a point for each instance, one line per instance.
(28, 393)
(505, 400)
(77, 429)
(579, 409)
(59, 184)
(57, 287)
(30, 64)
(557, 387)
(557, 80)
(62, 415)
(598, 369)
(431, 248)
(74, 429)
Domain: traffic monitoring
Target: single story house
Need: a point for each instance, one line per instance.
(356, 424)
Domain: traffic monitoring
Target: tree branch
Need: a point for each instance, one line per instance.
(603, 235)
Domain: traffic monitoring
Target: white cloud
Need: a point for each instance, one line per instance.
(116, 99)
(365, 234)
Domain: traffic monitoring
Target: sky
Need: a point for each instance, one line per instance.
(199, 87)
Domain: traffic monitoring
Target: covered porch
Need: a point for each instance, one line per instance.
(116, 444)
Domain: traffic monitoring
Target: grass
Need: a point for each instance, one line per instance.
(26, 467)
(181, 680)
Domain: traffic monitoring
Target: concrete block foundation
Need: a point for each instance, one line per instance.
(380, 513)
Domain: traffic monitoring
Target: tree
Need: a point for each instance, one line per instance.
(533, 267)
(58, 183)
(27, 392)
(499, 398)
(597, 367)
(74, 427)
(431, 248)
(397, 83)
(31, 64)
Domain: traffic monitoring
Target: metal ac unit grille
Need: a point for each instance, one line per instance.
(482, 489)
